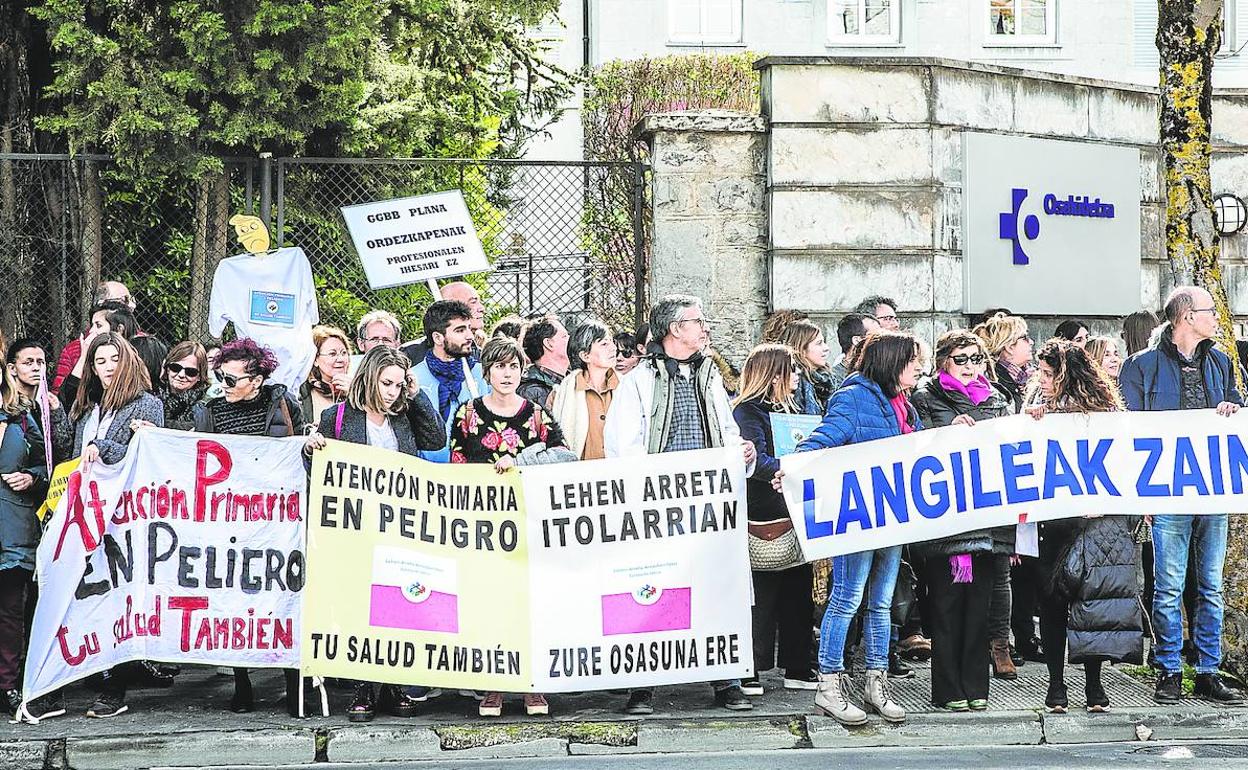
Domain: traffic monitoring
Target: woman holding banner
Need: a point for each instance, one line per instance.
(378, 412)
(183, 383)
(1089, 595)
(497, 428)
(782, 597)
(871, 404)
(251, 407)
(963, 573)
(23, 482)
(110, 404)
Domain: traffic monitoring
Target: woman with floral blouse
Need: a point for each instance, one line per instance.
(495, 429)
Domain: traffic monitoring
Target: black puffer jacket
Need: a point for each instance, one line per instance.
(937, 407)
(1096, 572)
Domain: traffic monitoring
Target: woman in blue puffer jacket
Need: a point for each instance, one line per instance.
(870, 404)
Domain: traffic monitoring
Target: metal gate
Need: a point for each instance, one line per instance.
(564, 237)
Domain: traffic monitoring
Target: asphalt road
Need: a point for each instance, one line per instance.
(1105, 756)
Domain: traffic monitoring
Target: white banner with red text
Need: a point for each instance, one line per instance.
(937, 483)
(190, 550)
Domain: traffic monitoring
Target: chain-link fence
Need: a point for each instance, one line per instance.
(563, 237)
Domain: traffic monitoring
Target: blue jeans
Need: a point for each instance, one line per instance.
(1173, 535)
(873, 573)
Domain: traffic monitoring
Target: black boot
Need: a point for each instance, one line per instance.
(394, 701)
(243, 700)
(1211, 687)
(362, 706)
(293, 701)
(897, 669)
(1169, 688)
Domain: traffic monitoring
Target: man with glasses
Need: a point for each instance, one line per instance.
(377, 328)
(883, 309)
(1184, 370)
(674, 402)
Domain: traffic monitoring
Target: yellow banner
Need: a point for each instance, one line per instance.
(56, 487)
(417, 572)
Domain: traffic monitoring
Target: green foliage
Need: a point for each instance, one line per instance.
(621, 93)
(170, 87)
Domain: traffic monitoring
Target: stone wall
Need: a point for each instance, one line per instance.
(710, 219)
(851, 184)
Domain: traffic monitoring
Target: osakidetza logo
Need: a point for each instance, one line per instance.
(1016, 227)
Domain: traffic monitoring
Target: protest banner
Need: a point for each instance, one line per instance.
(417, 572)
(410, 240)
(56, 487)
(941, 482)
(639, 571)
(189, 550)
(613, 573)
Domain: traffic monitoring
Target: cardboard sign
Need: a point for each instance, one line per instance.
(56, 487)
(411, 240)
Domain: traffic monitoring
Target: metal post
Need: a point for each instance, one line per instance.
(281, 202)
(266, 188)
(639, 244)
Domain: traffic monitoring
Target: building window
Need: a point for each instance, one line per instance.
(1022, 22)
(1230, 20)
(864, 22)
(704, 22)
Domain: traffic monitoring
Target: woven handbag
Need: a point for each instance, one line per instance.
(773, 545)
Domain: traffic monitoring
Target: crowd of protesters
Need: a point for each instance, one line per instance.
(534, 391)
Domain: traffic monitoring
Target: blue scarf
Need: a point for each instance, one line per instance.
(450, 376)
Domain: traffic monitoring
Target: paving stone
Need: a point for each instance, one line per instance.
(725, 735)
(191, 749)
(23, 755)
(368, 744)
(940, 729)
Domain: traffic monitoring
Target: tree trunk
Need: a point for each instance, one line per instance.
(212, 200)
(16, 135)
(90, 233)
(1189, 33)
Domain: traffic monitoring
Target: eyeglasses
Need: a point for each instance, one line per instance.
(230, 380)
(336, 353)
(379, 341)
(1204, 310)
(1024, 337)
(700, 321)
(188, 371)
(962, 359)
(882, 318)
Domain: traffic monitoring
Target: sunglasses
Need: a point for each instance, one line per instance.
(230, 380)
(963, 358)
(189, 371)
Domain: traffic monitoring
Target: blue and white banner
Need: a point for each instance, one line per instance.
(941, 482)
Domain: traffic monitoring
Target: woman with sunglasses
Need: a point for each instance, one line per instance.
(251, 407)
(110, 404)
(331, 372)
(967, 575)
(183, 383)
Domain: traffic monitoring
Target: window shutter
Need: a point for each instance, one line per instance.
(1144, 46)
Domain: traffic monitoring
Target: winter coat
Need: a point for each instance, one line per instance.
(813, 392)
(21, 450)
(116, 441)
(1151, 380)
(180, 407)
(427, 381)
(1006, 384)
(275, 422)
(537, 383)
(857, 412)
(639, 420)
(419, 428)
(762, 502)
(937, 408)
(1096, 572)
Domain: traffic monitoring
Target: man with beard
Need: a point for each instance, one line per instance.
(446, 374)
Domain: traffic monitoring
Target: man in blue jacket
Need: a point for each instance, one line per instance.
(1183, 370)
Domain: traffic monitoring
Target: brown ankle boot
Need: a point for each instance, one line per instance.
(1002, 666)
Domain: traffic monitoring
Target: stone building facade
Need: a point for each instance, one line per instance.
(850, 184)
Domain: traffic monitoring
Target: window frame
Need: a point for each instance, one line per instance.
(673, 39)
(1018, 40)
(862, 39)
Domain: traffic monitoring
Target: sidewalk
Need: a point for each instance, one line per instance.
(188, 725)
